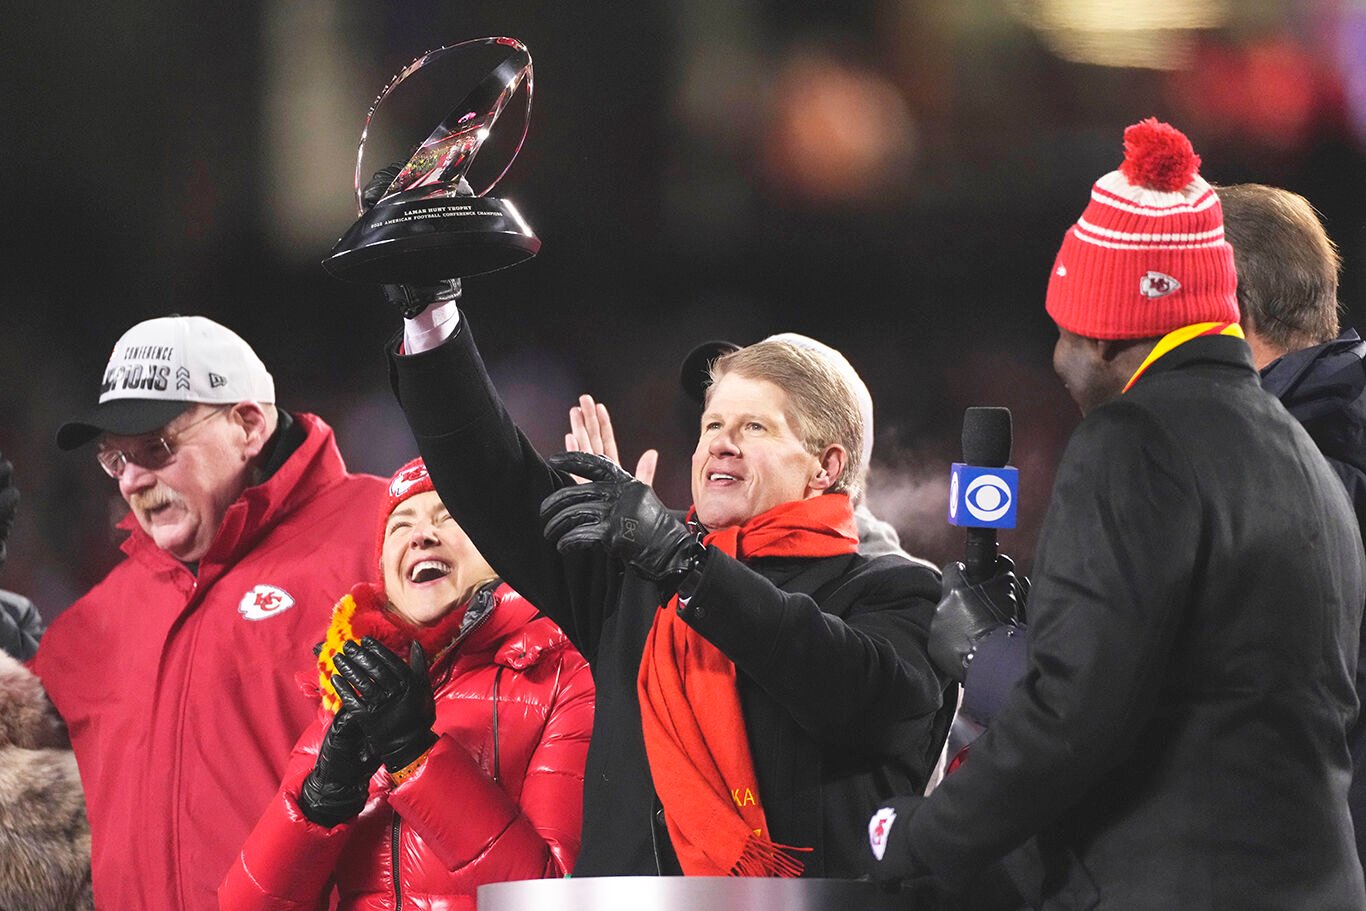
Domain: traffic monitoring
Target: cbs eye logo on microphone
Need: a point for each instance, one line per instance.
(983, 497)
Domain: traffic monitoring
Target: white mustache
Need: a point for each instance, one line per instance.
(154, 498)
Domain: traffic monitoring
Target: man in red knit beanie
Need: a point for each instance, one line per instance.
(1178, 739)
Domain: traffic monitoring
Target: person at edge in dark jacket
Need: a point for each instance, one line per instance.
(796, 663)
(1178, 735)
(419, 782)
(21, 626)
(1288, 291)
(176, 673)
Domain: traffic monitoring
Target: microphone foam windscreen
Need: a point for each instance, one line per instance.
(986, 436)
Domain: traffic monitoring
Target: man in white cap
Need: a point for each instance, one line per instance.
(176, 674)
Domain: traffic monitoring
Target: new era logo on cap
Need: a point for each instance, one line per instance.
(210, 363)
(161, 366)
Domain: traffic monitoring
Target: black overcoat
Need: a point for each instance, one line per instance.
(1179, 739)
(842, 705)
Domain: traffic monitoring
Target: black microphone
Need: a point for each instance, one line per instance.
(986, 444)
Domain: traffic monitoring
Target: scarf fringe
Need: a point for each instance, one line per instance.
(762, 857)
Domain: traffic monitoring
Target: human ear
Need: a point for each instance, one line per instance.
(250, 419)
(832, 463)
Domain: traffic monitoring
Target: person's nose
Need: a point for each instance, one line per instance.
(423, 534)
(722, 443)
(135, 478)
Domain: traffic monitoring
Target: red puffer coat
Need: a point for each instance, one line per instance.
(500, 796)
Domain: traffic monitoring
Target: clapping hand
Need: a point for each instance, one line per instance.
(392, 702)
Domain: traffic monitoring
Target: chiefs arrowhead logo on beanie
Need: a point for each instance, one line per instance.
(1148, 255)
(409, 481)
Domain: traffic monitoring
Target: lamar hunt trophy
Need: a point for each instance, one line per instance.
(429, 225)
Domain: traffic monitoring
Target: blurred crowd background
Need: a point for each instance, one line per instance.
(890, 176)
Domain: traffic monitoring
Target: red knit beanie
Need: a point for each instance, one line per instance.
(409, 481)
(1148, 255)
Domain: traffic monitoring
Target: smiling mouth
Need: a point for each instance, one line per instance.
(428, 571)
(720, 476)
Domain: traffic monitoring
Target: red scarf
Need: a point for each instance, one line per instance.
(695, 735)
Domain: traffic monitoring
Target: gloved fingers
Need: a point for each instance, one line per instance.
(350, 700)
(389, 669)
(589, 516)
(589, 465)
(344, 726)
(573, 496)
(955, 576)
(417, 660)
(641, 500)
(581, 538)
(366, 659)
(360, 681)
(999, 595)
(1018, 581)
(374, 189)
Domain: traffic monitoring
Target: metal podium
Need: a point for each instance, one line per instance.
(689, 893)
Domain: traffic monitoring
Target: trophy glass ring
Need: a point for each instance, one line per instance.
(429, 224)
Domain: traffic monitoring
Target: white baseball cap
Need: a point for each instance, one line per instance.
(162, 366)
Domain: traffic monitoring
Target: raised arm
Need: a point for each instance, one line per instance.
(493, 481)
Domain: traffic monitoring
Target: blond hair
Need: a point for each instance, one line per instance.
(821, 406)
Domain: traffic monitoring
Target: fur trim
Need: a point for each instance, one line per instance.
(28, 720)
(44, 836)
(364, 611)
(338, 632)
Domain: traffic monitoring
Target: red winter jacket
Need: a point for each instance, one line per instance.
(180, 689)
(499, 798)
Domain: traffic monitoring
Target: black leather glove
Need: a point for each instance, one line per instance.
(339, 785)
(410, 300)
(392, 701)
(967, 612)
(623, 515)
(9, 504)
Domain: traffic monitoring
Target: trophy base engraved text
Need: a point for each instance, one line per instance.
(429, 225)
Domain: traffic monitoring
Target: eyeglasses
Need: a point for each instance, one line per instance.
(153, 454)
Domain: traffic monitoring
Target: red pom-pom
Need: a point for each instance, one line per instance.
(1158, 156)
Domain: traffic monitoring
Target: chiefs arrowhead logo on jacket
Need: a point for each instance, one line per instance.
(264, 601)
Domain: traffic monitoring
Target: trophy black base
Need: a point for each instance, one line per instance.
(426, 235)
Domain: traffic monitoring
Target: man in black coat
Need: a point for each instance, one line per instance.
(1178, 739)
(1288, 293)
(833, 696)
